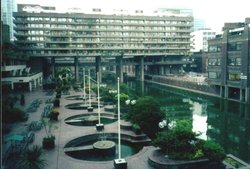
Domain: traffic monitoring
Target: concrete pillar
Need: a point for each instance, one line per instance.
(12, 86)
(247, 95)
(141, 68)
(221, 91)
(137, 72)
(53, 66)
(241, 95)
(30, 86)
(119, 72)
(98, 67)
(35, 80)
(161, 70)
(76, 69)
(226, 92)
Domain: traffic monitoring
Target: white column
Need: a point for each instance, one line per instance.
(119, 121)
(12, 85)
(98, 95)
(30, 86)
(89, 91)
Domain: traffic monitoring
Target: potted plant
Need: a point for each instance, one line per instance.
(49, 139)
(54, 115)
(57, 102)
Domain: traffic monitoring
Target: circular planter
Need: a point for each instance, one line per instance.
(104, 148)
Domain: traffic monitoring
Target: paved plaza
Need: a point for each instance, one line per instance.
(56, 158)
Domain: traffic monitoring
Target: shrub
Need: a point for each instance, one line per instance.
(31, 159)
(56, 102)
(49, 142)
(22, 100)
(213, 151)
(54, 115)
(147, 114)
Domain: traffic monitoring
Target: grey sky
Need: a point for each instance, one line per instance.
(214, 12)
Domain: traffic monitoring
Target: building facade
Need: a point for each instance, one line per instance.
(229, 61)
(162, 38)
(199, 39)
(7, 9)
(15, 72)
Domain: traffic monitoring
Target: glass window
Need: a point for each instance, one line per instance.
(234, 76)
(214, 75)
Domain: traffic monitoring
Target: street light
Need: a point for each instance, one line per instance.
(99, 126)
(119, 163)
(90, 108)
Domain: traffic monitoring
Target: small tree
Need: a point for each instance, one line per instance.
(213, 151)
(180, 142)
(147, 114)
(49, 140)
(32, 159)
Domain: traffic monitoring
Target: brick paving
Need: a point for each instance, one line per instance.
(56, 158)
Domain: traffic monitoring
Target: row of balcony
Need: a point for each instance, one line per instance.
(68, 35)
(104, 43)
(107, 49)
(109, 55)
(25, 21)
(17, 28)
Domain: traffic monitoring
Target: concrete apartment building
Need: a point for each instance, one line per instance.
(229, 61)
(157, 43)
(15, 74)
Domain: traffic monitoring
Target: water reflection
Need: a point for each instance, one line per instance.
(224, 121)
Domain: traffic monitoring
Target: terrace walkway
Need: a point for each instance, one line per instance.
(56, 158)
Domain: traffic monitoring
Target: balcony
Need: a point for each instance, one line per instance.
(13, 67)
(234, 83)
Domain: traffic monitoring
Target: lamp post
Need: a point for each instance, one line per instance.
(84, 91)
(119, 163)
(90, 108)
(99, 126)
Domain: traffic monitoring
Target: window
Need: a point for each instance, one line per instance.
(214, 75)
(234, 61)
(234, 46)
(214, 62)
(234, 76)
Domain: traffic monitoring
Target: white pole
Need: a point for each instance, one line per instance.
(119, 122)
(98, 95)
(84, 95)
(89, 91)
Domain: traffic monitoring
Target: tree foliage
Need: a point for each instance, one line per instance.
(32, 159)
(180, 142)
(147, 114)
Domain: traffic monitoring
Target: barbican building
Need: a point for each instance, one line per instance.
(136, 42)
(228, 60)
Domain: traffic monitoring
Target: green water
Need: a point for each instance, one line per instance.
(226, 122)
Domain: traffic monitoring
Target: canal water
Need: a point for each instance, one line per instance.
(226, 122)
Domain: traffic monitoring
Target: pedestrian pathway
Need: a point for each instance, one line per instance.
(56, 158)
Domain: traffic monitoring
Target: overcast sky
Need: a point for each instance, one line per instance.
(214, 12)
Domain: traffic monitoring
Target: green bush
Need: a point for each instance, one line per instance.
(32, 158)
(56, 102)
(180, 142)
(213, 151)
(49, 142)
(22, 100)
(147, 114)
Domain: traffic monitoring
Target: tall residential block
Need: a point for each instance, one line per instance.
(161, 37)
(229, 61)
